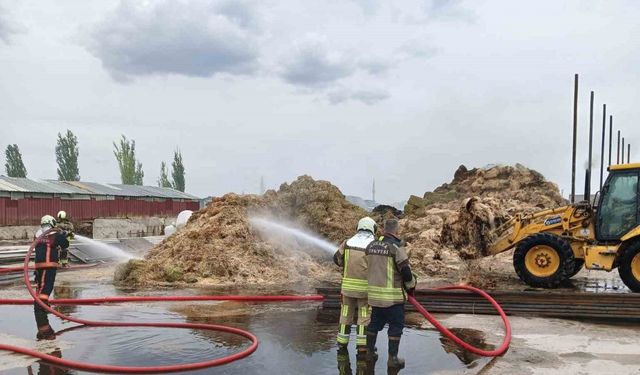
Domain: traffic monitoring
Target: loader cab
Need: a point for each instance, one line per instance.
(619, 207)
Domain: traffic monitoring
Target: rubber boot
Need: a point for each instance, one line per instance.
(372, 354)
(46, 333)
(344, 364)
(343, 337)
(394, 361)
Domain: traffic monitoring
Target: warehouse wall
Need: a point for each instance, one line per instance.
(28, 211)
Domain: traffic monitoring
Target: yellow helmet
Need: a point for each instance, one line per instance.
(62, 215)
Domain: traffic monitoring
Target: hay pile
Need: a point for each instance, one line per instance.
(445, 230)
(219, 246)
(454, 222)
(317, 205)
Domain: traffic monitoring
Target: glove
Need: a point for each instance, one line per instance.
(411, 285)
(68, 234)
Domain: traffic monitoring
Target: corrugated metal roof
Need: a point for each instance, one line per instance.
(6, 185)
(25, 185)
(154, 191)
(100, 189)
(62, 187)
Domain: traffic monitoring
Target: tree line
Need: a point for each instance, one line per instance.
(131, 173)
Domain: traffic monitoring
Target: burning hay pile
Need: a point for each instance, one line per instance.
(219, 245)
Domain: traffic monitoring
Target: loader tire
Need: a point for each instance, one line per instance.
(579, 263)
(629, 266)
(544, 260)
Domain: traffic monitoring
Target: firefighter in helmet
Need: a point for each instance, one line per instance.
(389, 281)
(48, 242)
(66, 225)
(355, 309)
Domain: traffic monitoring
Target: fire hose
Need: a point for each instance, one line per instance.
(85, 366)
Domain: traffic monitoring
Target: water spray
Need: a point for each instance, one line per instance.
(105, 248)
(269, 226)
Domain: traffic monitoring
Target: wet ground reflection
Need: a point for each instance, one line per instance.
(295, 338)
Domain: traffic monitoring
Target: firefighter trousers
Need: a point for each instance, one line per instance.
(353, 311)
(45, 279)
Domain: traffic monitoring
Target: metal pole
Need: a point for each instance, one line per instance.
(610, 137)
(604, 129)
(629, 153)
(622, 158)
(587, 185)
(575, 139)
(618, 149)
(590, 138)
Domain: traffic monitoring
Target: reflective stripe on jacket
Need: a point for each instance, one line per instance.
(351, 256)
(384, 258)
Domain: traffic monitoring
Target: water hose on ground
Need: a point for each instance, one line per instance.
(10, 270)
(485, 353)
(85, 366)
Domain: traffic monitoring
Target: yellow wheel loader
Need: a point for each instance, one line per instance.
(553, 245)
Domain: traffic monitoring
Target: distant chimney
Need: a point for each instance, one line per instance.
(373, 190)
(262, 188)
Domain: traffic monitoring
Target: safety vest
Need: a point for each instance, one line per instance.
(354, 275)
(385, 282)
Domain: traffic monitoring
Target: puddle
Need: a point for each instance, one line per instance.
(295, 337)
(600, 285)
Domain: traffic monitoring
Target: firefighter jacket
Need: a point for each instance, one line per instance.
(66, 226)
(48, 247)
(385, 258)
(351, 256)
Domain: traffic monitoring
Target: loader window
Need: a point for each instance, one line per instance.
(618, 209)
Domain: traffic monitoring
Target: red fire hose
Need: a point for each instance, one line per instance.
(485, 353)
(74, 267)
(84, 366)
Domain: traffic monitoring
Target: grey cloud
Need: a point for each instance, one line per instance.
(240, 11)
(447, 9)
(8, 27)
(368, 6)
(375, 66)
(369, 97)
(421, 49)
(313, 64)
(191, 38)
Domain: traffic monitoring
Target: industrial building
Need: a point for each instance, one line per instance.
(24, 201)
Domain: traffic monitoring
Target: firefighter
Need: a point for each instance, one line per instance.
(354, 310)
(48, 242)
(66, 225)
(389, 276)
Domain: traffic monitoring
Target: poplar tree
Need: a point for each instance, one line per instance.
(14, 165)
(163, 181)
(67, 157)
(130, 169)
(177, 171)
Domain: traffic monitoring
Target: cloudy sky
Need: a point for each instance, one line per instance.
(343, 90)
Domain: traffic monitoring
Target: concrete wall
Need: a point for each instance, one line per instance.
(102, 228)
(132, 227)
(18, 232)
